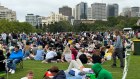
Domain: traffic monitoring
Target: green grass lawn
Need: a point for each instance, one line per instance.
(39, 69)
(134, 68)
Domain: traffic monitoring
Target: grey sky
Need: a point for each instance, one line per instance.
(45, 7)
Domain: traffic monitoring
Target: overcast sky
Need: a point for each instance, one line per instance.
(45, 7)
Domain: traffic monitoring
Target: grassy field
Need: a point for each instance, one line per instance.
(39, 69)
(134, 68)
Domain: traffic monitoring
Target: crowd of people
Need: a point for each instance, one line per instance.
(89, 47)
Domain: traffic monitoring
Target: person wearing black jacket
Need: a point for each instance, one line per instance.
(2, 64)
(96, 58)
(58, 74)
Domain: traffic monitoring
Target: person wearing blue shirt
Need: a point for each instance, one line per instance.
(39, 54)
(14, 58)
(118, 50)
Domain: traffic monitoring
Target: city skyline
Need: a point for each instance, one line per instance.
(45, 7)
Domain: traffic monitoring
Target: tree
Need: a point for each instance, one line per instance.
(14, 26)
(62, 26)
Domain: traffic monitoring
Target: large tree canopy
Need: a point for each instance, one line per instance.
(17, 27)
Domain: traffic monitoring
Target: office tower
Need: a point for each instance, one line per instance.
(66, 11)
(126, 12)
(81, 11)
(89, 14)
(34, 20)
(112, 10)
(135, 11)
(99, 11)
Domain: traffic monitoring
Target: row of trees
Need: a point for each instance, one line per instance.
(112, 23)
(65, 26)
(14, 26)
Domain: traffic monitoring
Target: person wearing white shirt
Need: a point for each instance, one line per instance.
(50, 55)
(4, 35)
(67, 55)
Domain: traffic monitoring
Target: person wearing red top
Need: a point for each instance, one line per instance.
(74, 51)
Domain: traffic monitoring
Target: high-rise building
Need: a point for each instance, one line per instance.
(7, 14)
(99, 11)
(89, 14)
(81, 11)
(74, 13)
(66, 11)
(135, 11)
(112, 10)
(34, 20)
(126, 12)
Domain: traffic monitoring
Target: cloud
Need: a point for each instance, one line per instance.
(44, 7)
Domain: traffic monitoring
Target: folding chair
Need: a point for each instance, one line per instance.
(20, 64)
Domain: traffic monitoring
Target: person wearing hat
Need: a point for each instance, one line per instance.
(100, 72)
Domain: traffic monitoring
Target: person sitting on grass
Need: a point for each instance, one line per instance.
(48, 75)
(39, 54)
(77, 64)
(100, 72)
(67, 55)
(82, 56)
(15, 57)
(2, 65)
(56, 73)
(109, 52)
(76, 70)
(96, 58)
(27, 49)
(31, 56)
(51, 55)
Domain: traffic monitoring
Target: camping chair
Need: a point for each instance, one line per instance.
(20, 64)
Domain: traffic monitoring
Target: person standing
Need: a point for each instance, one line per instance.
(118, 50)
(4, 36)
